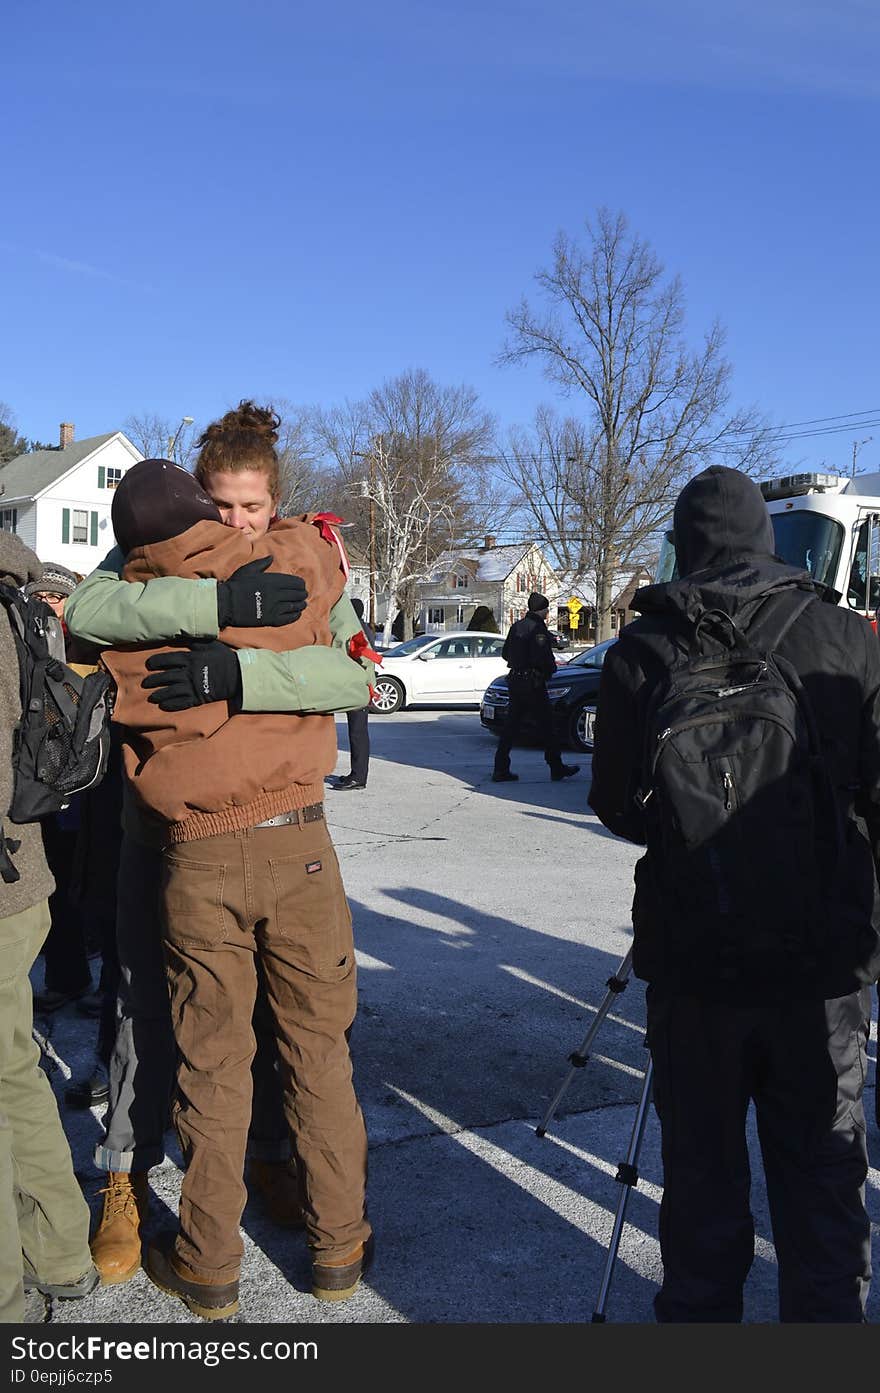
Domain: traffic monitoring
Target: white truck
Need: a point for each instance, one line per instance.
(828, 524)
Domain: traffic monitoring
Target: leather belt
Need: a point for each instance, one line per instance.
(296, 817)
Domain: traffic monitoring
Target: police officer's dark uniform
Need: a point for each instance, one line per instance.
(529, 655)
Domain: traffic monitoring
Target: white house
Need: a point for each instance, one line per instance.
(501, 578)
(58, 501)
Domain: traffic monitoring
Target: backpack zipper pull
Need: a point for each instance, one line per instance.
(727, 781)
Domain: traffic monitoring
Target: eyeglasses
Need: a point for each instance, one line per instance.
(50, 597)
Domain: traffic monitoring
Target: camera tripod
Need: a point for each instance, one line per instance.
(627, 1170)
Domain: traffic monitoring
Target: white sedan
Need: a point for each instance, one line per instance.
(438, 670)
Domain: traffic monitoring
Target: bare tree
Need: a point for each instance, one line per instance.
(153, 435)
(306, 481)
(412, 461)
(611, 334)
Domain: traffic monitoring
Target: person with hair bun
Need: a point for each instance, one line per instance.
(255, 668)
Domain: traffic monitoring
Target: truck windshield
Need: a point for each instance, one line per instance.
(810, 540)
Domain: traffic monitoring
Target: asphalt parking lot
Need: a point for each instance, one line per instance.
(488, 919)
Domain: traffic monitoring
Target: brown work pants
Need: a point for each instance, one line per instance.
(273, 893)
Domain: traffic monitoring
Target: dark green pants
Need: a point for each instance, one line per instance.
(44, 1219)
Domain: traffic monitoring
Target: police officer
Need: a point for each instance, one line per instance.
(529, 655)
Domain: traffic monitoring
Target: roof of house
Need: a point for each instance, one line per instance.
(583, 586)
(492, 565)
(27, 475)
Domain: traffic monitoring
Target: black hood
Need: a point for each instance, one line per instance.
(720, 516)
(724, 544)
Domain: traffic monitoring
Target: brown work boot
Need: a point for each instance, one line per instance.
(338, 1280)
(278, 1187)
(210, 1300)
(116, 1245)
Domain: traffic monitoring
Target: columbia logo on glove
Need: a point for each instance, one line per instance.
(251, 596)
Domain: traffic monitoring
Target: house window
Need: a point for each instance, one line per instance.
(9, 519)
(114, 477)
(459, 582)
(520, 581)
(80, 521)
(437, 615)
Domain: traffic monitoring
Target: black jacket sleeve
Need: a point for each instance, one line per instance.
(867, 803)
(618, 747)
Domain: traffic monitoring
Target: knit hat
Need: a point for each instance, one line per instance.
(537, 602)
(55, 580)
(155, 500)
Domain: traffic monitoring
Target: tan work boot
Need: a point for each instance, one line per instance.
(277, 1185)
(116, 1245)
(338, 1280)
(210, 1300)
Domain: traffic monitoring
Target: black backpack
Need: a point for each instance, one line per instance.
(61, 744)
(743, 827)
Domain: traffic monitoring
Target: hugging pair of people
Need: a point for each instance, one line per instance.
(250, 882)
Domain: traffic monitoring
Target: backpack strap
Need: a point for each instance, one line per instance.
(775, 615)
(8, 848)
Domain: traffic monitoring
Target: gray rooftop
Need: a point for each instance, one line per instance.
(27, 475)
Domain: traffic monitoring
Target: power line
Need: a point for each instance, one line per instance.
(776, 435)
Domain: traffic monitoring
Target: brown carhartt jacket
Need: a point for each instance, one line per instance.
(204, 771)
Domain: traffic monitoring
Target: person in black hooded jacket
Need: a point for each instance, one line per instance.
(794, 1044)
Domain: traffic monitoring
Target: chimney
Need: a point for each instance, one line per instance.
(488, 543)
(66, 435)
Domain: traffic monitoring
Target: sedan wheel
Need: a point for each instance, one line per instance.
(387, 696)
(581, 727)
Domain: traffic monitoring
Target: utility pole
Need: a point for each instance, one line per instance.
(368, 490)
(857, 445)
(372, 546)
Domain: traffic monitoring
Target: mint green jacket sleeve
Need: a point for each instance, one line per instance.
(104, 609)
(309, 680)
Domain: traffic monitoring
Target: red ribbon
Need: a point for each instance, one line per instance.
(358, 647)
(324, 523)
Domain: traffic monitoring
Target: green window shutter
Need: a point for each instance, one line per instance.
(65, 525)
(101, 473)
(93, 530)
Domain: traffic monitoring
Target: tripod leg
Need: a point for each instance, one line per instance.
(578, 1059)
(628, 1176)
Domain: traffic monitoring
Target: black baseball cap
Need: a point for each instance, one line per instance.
(157, 499)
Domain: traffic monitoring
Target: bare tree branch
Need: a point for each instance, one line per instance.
(610, 335)
(413, 453)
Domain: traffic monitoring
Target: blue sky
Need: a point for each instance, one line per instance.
(210, 199)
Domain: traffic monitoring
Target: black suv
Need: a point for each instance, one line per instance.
(573, 690)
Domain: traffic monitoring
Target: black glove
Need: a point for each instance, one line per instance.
(250, 598)
(208, 671)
